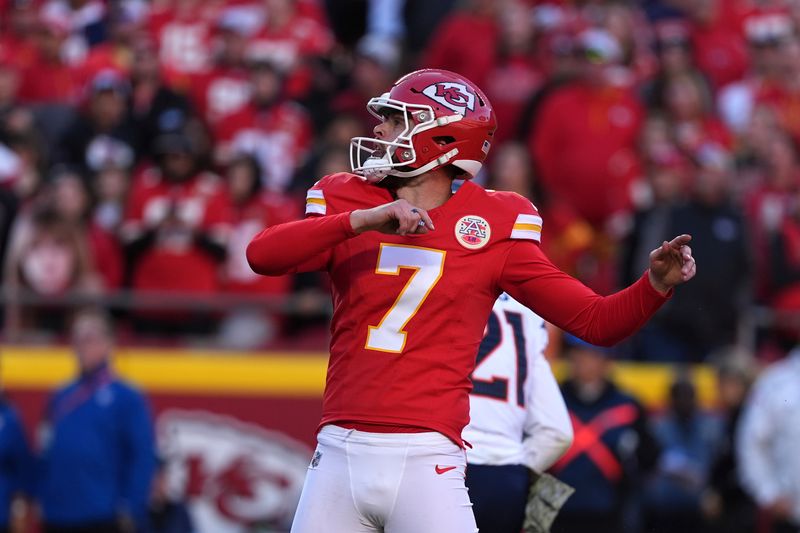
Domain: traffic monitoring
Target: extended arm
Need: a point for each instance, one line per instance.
(562, 300)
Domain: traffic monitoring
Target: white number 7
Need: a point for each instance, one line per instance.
(428, 264)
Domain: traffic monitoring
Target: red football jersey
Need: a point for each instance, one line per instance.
(177, 212)
(219, 93)
(278, 137)
(410, 311)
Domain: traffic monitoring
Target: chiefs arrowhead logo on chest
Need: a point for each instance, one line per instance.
(472, 232)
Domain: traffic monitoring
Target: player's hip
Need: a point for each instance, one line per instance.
(390, 443)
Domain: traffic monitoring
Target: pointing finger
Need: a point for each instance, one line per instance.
(680, 240)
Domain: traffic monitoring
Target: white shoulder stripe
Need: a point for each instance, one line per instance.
(315, 193)
(316, 209)
(527, 227)
(529, 219)
(526, 234)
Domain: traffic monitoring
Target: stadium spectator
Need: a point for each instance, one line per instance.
(49, 79)
(253, 209)
(719, 49)
(289, 40)
(612, 451)
(599, 118)
(688, 104)
(225, 88)
(102, 135)
(519, 425)
(18, 33)
(182, 31)
(84, 20)
(767, 443)
(768, 39)
(667, 173)
(689, 327)
(690, 440)
(673, 49)
(154, 108)
(16, 469)
(375, 64)
(97, 449)
(784, 95)
(176, 226)
(466, 41)
(515, 74)
(47, 258)
(726, 505)
(277, 131)
(126, 25)
(70, 197)
(768, 206)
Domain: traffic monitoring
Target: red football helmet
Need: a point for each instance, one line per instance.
(448, 121)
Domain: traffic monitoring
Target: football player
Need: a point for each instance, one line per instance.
(519, 425)
(415, 270)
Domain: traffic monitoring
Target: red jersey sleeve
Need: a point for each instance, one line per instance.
(299, 246)
(519, 219)
(304, 245)
(532, 279)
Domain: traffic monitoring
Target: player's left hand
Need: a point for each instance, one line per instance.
(672, 264)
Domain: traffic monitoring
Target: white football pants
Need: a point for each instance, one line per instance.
(360, 482)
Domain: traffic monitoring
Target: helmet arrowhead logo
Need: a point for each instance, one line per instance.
(455, 96)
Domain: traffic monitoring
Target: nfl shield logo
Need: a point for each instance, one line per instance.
(316, 458)
(472, 232)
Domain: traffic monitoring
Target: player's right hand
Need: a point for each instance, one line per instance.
(395, 218)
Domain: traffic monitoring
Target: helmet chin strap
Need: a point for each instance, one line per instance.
(379, 172)
(439, 161)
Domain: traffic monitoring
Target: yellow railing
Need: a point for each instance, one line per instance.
(271, 373)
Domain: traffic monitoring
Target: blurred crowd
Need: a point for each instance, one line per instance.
(142, 144)
(687, 469)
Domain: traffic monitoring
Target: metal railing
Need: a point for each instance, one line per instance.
(127, 305)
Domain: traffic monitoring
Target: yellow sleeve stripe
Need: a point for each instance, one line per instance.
(529, 227)
(315, 202)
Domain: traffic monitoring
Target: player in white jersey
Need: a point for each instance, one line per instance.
(519, 425)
